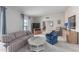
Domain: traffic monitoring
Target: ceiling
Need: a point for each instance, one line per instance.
(40, 10)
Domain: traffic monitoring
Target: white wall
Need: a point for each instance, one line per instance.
(54, 18)
(74, 10)
(37, 20)
(13, 20)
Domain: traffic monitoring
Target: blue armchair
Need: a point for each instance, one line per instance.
(52, 37)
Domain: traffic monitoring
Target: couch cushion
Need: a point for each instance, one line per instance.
(19, 34)
(11, 35)
(16, 44)
(7, 38)
(3, 38)
(28, 33)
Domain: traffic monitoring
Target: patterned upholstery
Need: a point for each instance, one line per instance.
(7, 38)
(3, 38)
(19, 34)
(16, 40)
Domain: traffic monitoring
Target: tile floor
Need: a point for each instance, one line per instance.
(61, 46)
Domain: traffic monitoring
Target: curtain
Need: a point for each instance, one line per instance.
(0, 23)
(22, 16)
(2, 20)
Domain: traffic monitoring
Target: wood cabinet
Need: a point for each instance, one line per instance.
(71, 36)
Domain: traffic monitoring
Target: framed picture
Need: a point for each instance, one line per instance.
(72, 22)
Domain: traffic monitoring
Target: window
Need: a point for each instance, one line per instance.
(25, 24)
(0, 22)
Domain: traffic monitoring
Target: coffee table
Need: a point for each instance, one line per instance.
(36, 44)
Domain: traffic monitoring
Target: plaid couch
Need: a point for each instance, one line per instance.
(13, 41)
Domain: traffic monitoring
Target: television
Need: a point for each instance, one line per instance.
(36, 25)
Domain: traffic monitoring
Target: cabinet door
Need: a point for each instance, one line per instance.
(72, 37)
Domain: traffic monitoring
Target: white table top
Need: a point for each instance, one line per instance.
(37, 41)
